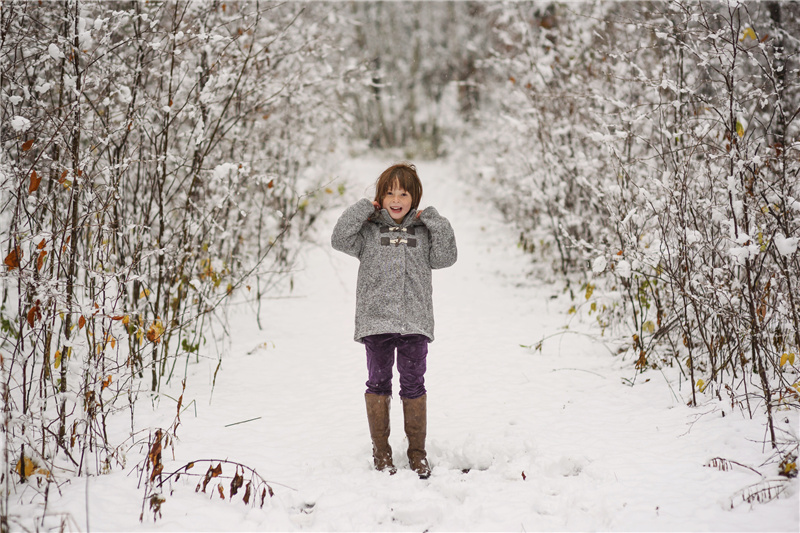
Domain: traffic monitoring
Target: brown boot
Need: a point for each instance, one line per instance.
(378, 418)
(416, 422)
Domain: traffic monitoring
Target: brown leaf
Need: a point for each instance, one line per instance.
(13, 259)
(27, 145)
(41, 244)
(271, 184)
(156, 472)
(106, 382)
(81, 322)
(236, 483)
(32, 314)
(36, 179)
(221, 491)
(40, 260)
(211, 474)
(154, 455)
(246, 497)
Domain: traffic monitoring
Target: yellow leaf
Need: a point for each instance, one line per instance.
(126, 319)
(571, 310)
(145, 293)
(701, 385)
(649, 327)
(30, 467)
(589, 290)
(749, 32)
(739, 129)
(593, 307)
(57, 359)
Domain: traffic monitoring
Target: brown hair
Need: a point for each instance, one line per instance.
(405, 175)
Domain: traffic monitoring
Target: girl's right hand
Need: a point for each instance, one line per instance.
(377, 205)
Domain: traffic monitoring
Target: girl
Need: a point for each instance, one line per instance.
(397, 246)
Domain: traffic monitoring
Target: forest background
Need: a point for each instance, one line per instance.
(160, 158)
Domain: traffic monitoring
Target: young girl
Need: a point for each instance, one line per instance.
(397, 246)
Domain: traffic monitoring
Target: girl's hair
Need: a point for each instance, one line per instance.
(405, 175)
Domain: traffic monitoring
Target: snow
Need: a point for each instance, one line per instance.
(786, 246)
(20, 124)
(520, 439)
(624, 269)
(55, 52)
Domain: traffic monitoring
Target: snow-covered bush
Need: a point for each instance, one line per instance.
(652, 151)
(155, 157)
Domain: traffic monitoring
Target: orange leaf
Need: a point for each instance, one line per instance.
(27, 145)
(117, 317)
(81, 322)
(13, 259)
(271, 184)
(512, 79)
(41, 244)
(106, 382)
(40, 260)
(35, 181)
(32, 315)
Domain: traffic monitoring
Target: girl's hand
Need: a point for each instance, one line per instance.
(377, 205)
(419, 212)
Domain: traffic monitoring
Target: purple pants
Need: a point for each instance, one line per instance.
(412, 351)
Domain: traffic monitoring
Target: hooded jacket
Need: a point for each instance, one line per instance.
(394, 293)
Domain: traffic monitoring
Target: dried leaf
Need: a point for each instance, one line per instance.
(246, 497)
(32, 315)
(221, 491)
(236, 482)
(40, 259)
(12, 260)
(41, 244)
(271, 184)
(155, 331)
(106, 382)
(35, 181)
(27, 145)
(154, 456)
(81, 322)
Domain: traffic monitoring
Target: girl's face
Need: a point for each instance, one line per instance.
(397, 202)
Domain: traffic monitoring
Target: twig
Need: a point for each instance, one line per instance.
(242, 422)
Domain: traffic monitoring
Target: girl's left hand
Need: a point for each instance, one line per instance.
(419, 212)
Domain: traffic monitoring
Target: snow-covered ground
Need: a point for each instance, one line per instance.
(519, 439)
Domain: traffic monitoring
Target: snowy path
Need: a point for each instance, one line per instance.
(519, 440)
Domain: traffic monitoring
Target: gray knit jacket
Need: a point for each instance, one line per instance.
(394, 293)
